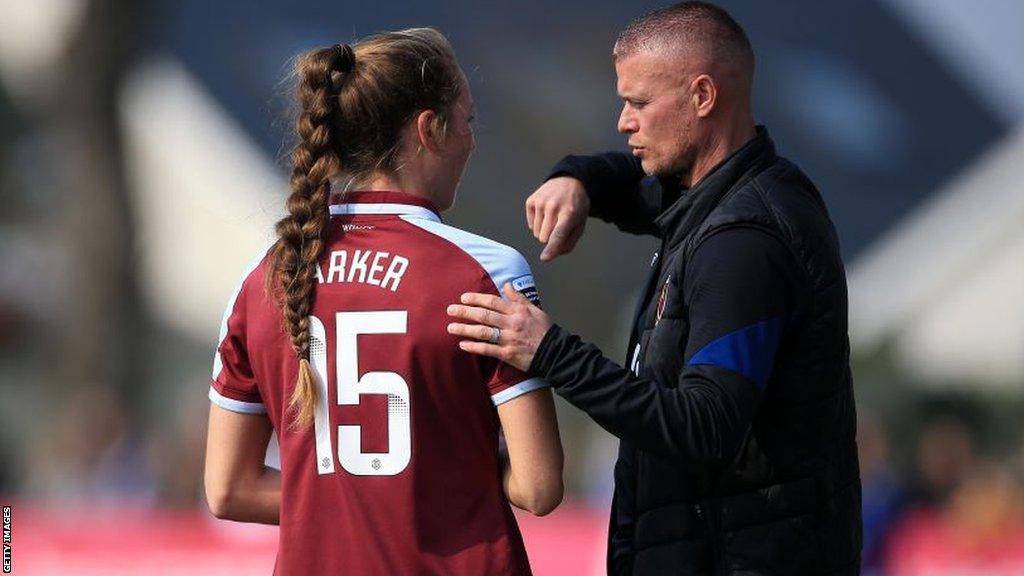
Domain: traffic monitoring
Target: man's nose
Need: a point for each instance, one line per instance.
(627, 122)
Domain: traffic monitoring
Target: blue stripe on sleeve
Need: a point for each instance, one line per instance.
(749, 351)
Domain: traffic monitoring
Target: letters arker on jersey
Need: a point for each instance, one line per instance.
(367, 266)
(402, 457)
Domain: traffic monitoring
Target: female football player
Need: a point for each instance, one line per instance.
(336, 341)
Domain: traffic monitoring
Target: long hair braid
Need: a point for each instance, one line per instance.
(300, 234)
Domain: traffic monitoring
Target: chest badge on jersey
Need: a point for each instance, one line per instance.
(661, 301)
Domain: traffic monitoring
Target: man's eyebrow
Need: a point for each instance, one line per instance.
(631, 92)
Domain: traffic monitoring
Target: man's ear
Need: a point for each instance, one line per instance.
(426, 121)
(705, 95)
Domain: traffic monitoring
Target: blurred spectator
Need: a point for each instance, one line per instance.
(945, 456)
(987, 506)
(966, 515)
(979, 531)
(883, 496)
(89, 454)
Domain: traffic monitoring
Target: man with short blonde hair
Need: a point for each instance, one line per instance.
(735, 410)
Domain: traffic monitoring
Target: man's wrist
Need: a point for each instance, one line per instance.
(570, 167)
(539, 365)
(559, 174)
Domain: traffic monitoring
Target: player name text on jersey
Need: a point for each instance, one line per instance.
(366, 266)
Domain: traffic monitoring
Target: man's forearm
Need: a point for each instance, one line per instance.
(613, 181)
(696, 420)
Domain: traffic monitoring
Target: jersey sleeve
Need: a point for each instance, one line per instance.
(233, 385)
(508, 382)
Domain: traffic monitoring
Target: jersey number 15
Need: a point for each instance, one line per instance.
(350, 386)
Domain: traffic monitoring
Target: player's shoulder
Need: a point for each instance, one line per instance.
(502, 263)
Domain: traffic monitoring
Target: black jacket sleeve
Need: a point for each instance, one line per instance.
(618, 191)
(740, 287)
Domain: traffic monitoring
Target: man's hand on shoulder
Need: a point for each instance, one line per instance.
(557, 215)
(508, 329)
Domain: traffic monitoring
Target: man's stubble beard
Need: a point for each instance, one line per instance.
(680, 169)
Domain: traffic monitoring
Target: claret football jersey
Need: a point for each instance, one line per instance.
(399, 473)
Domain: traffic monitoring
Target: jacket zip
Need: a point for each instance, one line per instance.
(711, 522)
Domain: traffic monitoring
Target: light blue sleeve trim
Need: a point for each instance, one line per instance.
(401, 209)
(236, 405)
(502, 263)
(518, 390)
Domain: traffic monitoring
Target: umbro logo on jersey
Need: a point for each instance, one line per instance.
(350, 227)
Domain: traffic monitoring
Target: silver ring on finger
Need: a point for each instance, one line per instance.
(495, 334)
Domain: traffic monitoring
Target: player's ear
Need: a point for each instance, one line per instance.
(426, 130)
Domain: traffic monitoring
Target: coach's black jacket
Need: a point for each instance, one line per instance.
(736, 416)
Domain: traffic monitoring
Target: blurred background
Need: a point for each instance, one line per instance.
(143, 160)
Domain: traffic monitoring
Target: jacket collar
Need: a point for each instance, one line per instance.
(691, 207)
(383, 202)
